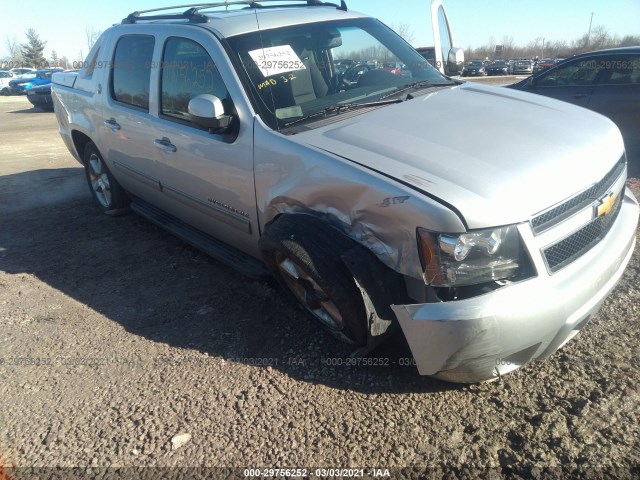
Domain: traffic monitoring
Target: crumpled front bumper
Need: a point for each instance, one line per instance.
(484, 337)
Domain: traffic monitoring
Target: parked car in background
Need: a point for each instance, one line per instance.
(16, 86)
(523, 66)
(474, 69)
(351, 76)
(499, 67)
(543, 65)
(23, 72)
(606, 81)
(5, 77)
(394, 67)
(40, 96)
(42, 78)
(19, 86)
(343, 65)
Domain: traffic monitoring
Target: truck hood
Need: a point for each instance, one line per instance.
(496, 155)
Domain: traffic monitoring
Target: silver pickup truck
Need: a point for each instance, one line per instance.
(487, 224)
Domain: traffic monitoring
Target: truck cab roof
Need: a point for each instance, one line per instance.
(242, 17)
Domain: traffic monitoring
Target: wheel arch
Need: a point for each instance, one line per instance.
(379, 285)
(80, 141)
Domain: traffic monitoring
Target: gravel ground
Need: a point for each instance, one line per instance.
(120, 346)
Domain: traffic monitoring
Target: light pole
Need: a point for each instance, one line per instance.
(589, 33)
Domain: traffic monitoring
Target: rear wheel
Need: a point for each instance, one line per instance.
(308, 265)
(107, 192)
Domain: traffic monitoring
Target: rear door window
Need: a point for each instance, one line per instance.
(578, 73)
(131, 74)
(619, 70)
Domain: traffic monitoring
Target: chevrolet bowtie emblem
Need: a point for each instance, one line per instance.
(606, 205)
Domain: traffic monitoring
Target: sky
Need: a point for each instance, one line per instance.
(64, 23)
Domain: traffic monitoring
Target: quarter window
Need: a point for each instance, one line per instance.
(131, 76)
(88, 68)
(188, 71)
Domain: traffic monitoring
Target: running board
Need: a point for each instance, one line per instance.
(213, 247)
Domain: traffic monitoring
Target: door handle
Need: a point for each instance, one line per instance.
(113, 125)
(579, 95)
(166, 145)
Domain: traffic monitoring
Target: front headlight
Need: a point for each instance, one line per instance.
(454, 260)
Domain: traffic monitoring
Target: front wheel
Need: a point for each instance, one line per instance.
(105, 189)
(311, 270)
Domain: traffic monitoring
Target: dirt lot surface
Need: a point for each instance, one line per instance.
(116, 338)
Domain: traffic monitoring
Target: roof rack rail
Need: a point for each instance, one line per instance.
(193, 14)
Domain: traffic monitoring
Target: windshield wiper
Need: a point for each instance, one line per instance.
(415, 85)
(342, 107)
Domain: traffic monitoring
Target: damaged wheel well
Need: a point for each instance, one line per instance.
(80, 141)
(379, 286)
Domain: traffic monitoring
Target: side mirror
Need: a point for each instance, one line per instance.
(455, 61)
(531, 83)
(207, 111)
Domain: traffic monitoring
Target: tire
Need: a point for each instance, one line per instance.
(105, 189)
(306, 262)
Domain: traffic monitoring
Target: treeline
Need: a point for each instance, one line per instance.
(599, 39)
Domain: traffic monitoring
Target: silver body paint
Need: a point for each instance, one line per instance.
(458, 159)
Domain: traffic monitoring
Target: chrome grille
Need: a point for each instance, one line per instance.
(550, 218)
(577, 244)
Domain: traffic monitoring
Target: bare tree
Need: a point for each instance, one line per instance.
(507, 46)
(629, 41)
(92, 36)
(64, 63)
(556, 49)
(404, 30)
(599, 38)
(492, 42)
(13, 47)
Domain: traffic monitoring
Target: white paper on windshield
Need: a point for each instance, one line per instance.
(275, 60)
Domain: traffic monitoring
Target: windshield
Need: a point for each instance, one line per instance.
(297, 71)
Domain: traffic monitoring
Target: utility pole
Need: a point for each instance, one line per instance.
(589, 33)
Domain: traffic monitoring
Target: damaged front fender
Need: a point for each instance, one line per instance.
(379, 287)
(375, 211)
